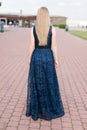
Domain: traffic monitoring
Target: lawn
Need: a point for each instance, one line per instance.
(81, 34)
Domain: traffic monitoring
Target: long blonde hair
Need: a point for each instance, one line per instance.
(42, 25)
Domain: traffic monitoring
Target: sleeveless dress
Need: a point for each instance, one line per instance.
(43, 94)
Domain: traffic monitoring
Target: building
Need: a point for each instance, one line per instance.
(27, 20)
(56, 20)
(76, 24)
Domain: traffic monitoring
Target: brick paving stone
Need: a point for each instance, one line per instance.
(24, 122)
(23, 117)
(46, 123)
(3, 126)
(35, 125)
(33, 129)
(4, 120)
(65, 124)
(75, 117)
(56, 126)
(72, 76)
(15, 118)
(13, 123)
(85, 125)
(8, 111)
(76, 122)
(4, 115)
(18, 109)
(11, 128)
(39, 120)
(78, 128)
(84, 120)
(22, 127)
(67, 128)
(56, 121)
(57, 129)
(66, 120)
(45, 128)
(17, 114)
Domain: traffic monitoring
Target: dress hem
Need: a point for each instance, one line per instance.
(52, 117)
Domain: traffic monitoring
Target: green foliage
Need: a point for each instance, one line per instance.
(23, 23)
(62, 26)
(0, 3)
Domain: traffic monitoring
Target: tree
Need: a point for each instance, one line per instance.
(0, 3)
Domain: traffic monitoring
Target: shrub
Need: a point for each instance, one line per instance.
(61, 26)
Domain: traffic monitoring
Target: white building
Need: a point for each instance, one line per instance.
(77, 24)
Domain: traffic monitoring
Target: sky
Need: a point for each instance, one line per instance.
(72, 9)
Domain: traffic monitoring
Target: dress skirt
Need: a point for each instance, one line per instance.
(43, 94)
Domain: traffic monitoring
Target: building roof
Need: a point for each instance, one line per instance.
(14, 16)
(23, 17)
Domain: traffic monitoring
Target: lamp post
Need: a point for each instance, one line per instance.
(1, 23)
(20, 20)
(0, 3)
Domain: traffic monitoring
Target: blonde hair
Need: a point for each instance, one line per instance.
(42, 25)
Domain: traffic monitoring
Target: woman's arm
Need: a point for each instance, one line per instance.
(31, 45)
(54, 46)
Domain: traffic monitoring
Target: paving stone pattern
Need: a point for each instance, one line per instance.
(72, 77)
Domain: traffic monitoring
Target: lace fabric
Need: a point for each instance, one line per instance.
(43, 94)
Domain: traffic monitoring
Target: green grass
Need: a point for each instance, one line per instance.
(81, 34)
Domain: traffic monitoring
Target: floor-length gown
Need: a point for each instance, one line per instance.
(43, 94)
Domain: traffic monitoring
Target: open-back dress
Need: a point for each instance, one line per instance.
(43, 94)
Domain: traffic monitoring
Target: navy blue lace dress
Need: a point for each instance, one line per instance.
(43, 94)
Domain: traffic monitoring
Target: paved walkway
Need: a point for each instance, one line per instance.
(72, 76)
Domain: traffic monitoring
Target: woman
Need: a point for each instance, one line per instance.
(43, 95)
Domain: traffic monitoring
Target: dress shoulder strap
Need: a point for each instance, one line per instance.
(35, 37)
